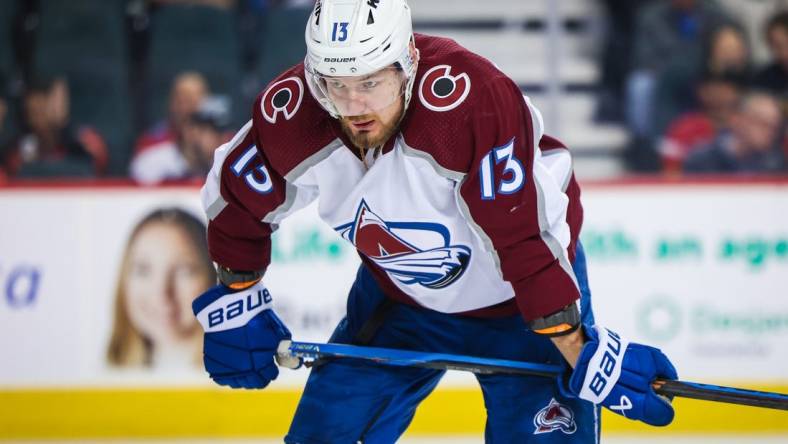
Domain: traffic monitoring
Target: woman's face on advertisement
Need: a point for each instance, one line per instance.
(164, 275)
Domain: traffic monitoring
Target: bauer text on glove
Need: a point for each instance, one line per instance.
(242, 333)
(618, 375)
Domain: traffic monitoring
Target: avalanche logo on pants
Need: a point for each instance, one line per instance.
(555, 416)
(437, 264)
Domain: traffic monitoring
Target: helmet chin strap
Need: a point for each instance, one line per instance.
(414, 63)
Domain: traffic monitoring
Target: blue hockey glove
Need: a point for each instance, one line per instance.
(617, 375)
(241, 335)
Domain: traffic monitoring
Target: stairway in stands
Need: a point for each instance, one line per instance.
(516, 35)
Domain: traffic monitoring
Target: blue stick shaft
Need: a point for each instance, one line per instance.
(443, 361)
(407, 358)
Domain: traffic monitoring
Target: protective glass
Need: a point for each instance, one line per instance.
(359, 95)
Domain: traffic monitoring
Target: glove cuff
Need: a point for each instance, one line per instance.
(599, 364)
(217, 310)
(238, 280)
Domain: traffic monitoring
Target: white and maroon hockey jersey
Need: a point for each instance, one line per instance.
(462, 211)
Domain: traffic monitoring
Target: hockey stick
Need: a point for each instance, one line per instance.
(440, 361)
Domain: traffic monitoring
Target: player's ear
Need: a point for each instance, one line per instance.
(414, 52)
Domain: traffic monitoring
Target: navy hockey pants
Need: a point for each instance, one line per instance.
(349, 401)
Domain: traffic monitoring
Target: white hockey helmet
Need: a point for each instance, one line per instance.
(352, 39)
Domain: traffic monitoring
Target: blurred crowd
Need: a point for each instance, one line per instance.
(681, 75)
(145, 89)
(148, 89)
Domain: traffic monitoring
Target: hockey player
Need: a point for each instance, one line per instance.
(431, 162)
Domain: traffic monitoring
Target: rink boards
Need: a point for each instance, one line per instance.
(696, 269)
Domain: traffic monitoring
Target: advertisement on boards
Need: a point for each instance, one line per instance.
(96, 285)
(697, 271)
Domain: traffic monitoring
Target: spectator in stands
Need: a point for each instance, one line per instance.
(718, 96)
(725, 51)
(616, 61)
(164, 265)
(51, 145)
(205, 131)
(774, 76)
(665, 31)
(753, 145)
(728, 51)
(3, 114)
(158, 156)
(4, 108)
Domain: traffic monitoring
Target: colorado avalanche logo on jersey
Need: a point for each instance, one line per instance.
(433, 264)
(555, 416)
(282, 97)
(441, 91)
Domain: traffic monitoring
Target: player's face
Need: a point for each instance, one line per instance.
(720, 100)
(370, 106)
(757, 125)
(778, 44)
(199, 143)
(164, 274)
(360, 95)
(185, 98)
(371, 130)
